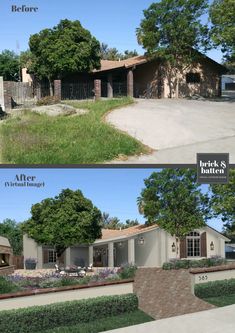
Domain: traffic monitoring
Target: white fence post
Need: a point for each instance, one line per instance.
(2, 105)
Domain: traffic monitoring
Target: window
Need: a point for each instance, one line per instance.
(193, 244)
(193, 78)
(52, 256)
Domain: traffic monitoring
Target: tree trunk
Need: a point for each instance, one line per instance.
(177, 86)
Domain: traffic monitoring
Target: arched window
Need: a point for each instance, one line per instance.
(193, 242)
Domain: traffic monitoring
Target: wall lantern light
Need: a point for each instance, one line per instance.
(141, 241)
(173, 247)
(212, 246)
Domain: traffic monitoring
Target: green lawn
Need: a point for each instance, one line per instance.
(221, 300)
(105, 324)
(33, 138)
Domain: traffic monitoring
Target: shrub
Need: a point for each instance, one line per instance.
(48, 100)
(42, 318)
(7, 286)
(208, 262)
(215, 288)
(127, 271)
(168, 265)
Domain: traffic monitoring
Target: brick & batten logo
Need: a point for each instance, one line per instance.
(213, 168)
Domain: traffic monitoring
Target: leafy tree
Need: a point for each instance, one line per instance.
(172, 198)
(222, 16)
(9, 65)
(26, 59)
(172, 30)
(63, 221)
(223, 203)
(65, 49)
(12, 230)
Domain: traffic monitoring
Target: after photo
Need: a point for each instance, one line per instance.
(92, 250)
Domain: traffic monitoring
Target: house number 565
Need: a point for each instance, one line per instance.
(203, 277)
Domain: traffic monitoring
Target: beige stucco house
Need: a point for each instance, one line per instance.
(144, 246)
(143, 77)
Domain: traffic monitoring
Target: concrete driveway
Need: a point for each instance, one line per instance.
(178, 129)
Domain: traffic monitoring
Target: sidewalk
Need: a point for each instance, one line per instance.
(220, 320)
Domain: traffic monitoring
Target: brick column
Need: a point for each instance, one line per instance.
(7, 95)
(110, 85)
(57, 89)
(130, 83)
(97, 85)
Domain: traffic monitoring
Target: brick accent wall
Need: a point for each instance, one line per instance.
(164, 294)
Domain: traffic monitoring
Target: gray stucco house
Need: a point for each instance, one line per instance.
(145, 246)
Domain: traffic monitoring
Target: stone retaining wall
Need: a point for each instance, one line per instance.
(164, 293)
(6, 270)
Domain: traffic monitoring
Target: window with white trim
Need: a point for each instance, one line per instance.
(193, 242)
(52, 256)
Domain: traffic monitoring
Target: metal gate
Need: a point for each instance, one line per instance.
(77, 90)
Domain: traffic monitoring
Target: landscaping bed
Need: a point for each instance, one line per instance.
(218, 293)
(102, 312)
(188, 264)
(17, 285)
(32, 138)
(101, 325)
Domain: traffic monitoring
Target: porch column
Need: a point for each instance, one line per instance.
(68, 256)
(131, 251)
(130, 83)
(40, 258)
(110, 255)
(90, 255)
(110, 85)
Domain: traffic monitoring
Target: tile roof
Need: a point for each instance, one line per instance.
(110, 233)
(112, 64)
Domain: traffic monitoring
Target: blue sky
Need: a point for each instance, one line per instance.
(112, 190)
(111, 22)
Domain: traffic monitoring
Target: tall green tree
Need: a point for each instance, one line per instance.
(12, 230)
(222, 16)
(172, 31)
(66, 49)
(173, 199)
(9, 66)
(223, 203)
(63, 221)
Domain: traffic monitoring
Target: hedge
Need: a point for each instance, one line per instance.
(184, 263)
(41, 318)
(215, 288)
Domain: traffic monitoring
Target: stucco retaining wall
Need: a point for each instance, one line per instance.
(210, 274)
(66, 295)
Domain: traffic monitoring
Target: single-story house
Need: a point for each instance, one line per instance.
(6, 254)
(145, 246)
(148, 78)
